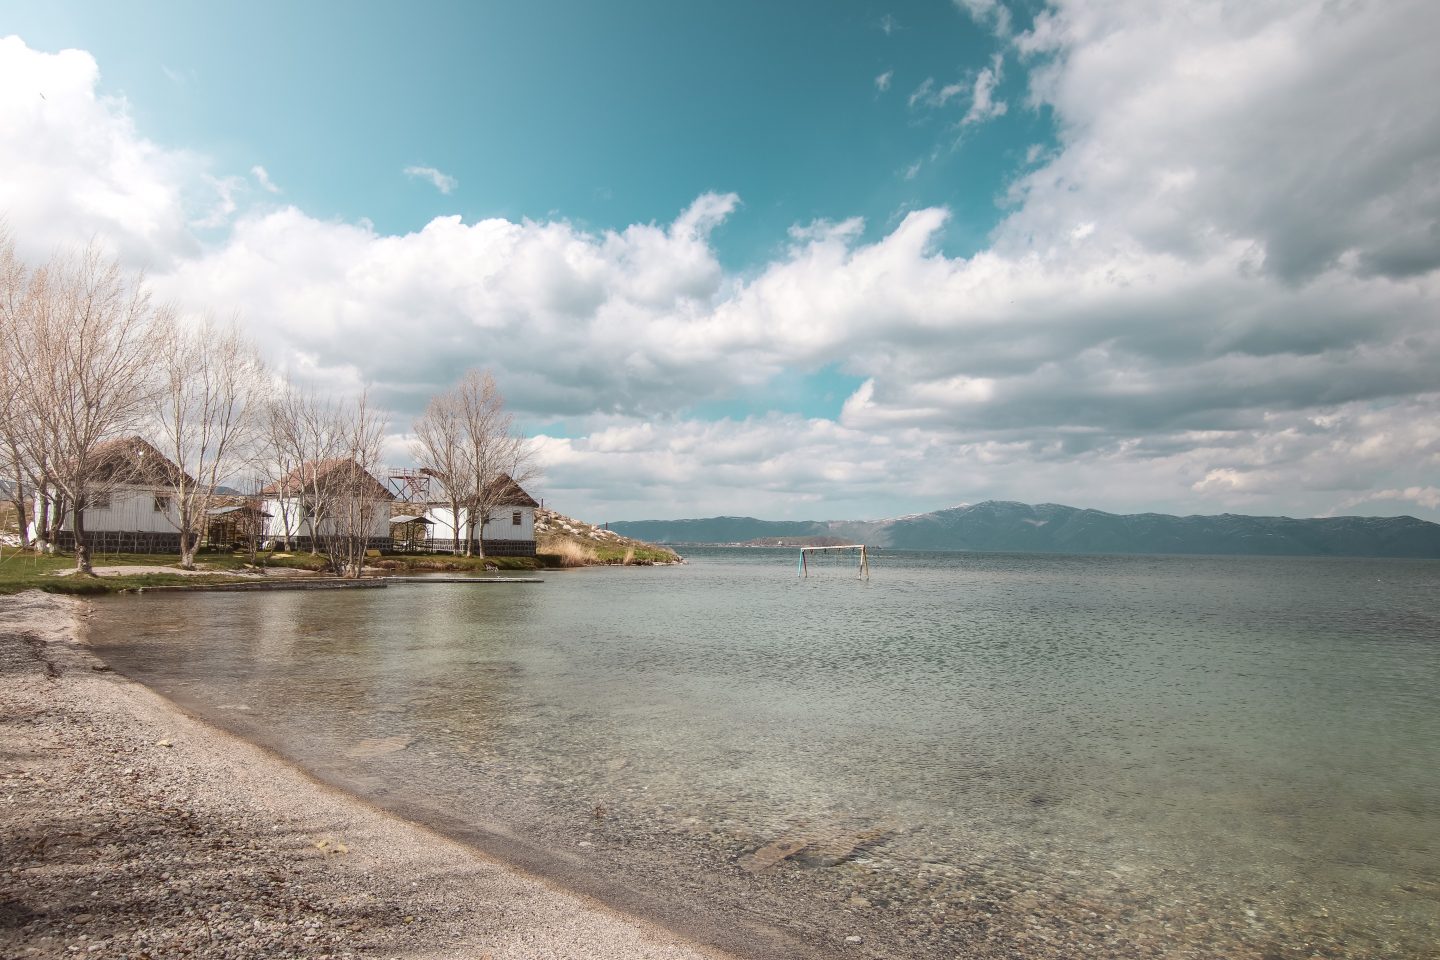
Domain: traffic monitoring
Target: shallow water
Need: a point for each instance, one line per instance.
(983, 754)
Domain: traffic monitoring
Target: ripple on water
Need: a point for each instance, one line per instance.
(1135, 756)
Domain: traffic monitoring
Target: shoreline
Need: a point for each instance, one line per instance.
(133, 829)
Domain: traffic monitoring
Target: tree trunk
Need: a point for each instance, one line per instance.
(21, 524)
(21, 508)
(82, 548)
(44, 541)
(189, 542)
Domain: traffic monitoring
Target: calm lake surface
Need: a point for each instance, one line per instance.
(971, 754)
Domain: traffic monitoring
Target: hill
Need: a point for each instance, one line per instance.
(567, 542)
(1005, 526)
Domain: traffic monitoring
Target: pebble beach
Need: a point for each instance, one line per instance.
(128, 829)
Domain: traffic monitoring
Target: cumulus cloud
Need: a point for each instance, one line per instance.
(76, 167)
(411, 311)
(443, 182)
(1306, 129)
(882, 82)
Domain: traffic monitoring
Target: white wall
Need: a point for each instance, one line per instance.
(500, 525)
(289, 507)
(131, 510)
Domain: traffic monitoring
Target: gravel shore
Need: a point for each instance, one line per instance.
(128, 829)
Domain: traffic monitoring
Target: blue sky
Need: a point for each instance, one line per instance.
(795, 260)
(605, 114)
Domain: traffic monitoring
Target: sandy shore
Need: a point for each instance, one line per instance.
(128, 829)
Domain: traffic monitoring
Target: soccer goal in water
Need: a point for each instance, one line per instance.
(812, 556)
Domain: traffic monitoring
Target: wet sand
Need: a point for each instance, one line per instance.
(129, 829)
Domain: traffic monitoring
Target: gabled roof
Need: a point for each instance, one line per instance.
(133, 460)
(509, 493)
(332, 470)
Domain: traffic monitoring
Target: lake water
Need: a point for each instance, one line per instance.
(971, 754)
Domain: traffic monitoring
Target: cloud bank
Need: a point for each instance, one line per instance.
(1218, 291)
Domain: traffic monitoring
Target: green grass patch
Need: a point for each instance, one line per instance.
(421, 562)
(25, 570)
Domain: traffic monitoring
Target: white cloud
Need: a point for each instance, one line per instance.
(262, 177)
(882, 82)
(75, 166)
(922, 93)
(988, 13)
(1193, 125)
(981, 91)
(1427, 497)
(443, 182)
(888, 24)
(983, 105)
(227, 189)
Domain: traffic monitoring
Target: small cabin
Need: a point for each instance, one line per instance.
(131, 508)
(289, 503)
(508, 531)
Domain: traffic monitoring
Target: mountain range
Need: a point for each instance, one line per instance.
(1004, 526)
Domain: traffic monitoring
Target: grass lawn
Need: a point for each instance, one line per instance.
(22, 570)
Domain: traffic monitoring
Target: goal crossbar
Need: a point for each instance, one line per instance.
(864, 572)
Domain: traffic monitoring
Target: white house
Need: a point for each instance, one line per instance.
(508, 531)
(132, 509)
(349, 493)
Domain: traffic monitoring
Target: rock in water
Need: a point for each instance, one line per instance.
(378, 747)
(771, 854)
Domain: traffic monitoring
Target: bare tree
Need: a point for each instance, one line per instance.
(330, 492)
(439, 447)
(304, 436)
(82, 344)
(491, 451)
(277, 460)
(357, 499)
(206, 415)
(14, 410)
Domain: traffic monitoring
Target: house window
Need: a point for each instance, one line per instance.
(515, 518)
(162, 503)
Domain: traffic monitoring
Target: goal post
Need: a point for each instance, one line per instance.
(863, 573)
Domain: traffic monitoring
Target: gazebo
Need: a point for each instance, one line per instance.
(234, 525)
(410, 533)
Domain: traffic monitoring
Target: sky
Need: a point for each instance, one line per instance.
(811, 260)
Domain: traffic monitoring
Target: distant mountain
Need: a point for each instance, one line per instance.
(1053, 528)
(718, 529)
